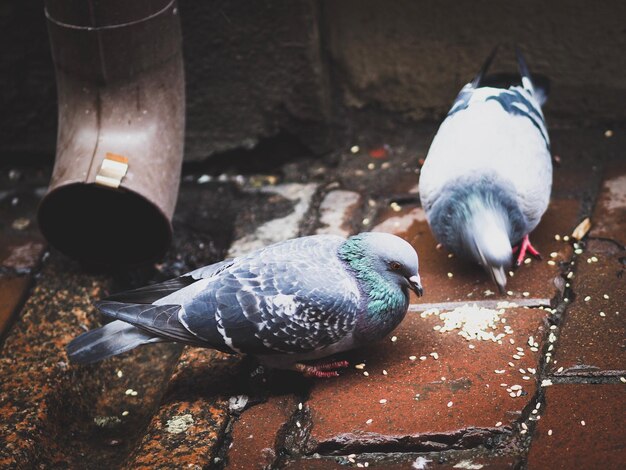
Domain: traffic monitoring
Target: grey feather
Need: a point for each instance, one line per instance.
(109, 340)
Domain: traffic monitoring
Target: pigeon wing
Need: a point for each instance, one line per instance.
(293, 297)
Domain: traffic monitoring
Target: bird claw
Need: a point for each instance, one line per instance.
(523, 247)
(323, 370)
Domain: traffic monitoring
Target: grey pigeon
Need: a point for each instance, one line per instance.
(298, 300)
(487, 177)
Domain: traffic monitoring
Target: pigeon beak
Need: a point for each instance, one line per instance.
(416, 285)
(498, 276)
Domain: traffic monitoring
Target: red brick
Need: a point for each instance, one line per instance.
(609, 216)
(407, 462)
(597, 444)
(470, 281)
(200, 387)
(256, 433)
(341, 408)
(590, 344)
(13, 290)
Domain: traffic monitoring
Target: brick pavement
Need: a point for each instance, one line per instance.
(421, 398)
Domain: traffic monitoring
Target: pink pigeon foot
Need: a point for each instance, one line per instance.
(523, 247)
(323, 370)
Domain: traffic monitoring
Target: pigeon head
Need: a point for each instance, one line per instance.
(376, 255)
(486, 240)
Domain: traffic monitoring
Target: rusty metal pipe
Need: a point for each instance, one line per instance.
(121, 106)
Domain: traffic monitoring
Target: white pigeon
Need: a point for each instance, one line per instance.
(487, 177)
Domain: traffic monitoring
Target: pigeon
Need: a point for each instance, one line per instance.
(298, 300)
(486, 180)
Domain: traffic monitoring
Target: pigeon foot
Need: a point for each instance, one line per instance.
(523, 247)
(321, 371)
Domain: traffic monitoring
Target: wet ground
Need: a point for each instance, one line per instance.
(548, 392)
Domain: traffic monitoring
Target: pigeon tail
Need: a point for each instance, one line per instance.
(109, 340)
(487, 236)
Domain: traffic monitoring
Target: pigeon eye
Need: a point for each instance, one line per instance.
(395, 265)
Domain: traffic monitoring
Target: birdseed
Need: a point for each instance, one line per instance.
(394, 339)
(450, 404)
(623, 379)
(499, 371)
(434, 355)
(583, 422)
(498, 424)
(384, 372)
(523, 431)
(527, 261)
(369, 421)
(412, 358)
(602, 314)
(524, 426)
(587, 299)
(125, 413)
(450, 275)
(549, 432)
(360, 366)
(354, 149)
(382, 401)
(546, 382)
(606, 296)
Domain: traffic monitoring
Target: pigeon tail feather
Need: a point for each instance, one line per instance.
(109, 340)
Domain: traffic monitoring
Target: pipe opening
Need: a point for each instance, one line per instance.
(104, 226)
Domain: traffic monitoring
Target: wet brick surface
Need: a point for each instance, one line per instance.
(188, 426)
(562, 441)
(13, 290)
(460, 394)
(255, 446)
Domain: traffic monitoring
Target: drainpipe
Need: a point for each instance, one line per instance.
(121, 108)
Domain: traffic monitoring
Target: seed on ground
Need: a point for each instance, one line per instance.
(582, 421)
(498, 424)
(369, 421)
(524, 426)
(394, 339)
(450, 404)
(300, 406)
(354, 149)
(512, 394)
(412, 358)
(499, 371)
(423, 358)
(450, 275)
(587, 299)
(527, 261)
(384, 372)
(525, 377)
(366, 373)
(434, 355)
(557, 237)
(623, 379)
(382, 401)
(549, 432)
(360, 366)
(551, 263)
(546, 382)
(523, 431)
(602, 314)
(606, 296)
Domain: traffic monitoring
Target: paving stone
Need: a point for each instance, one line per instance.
(599, 443)
(13, 290)
(406, 462)
(256, 432)
(280, 228)
(462, 377)
(188, 427)
(609, 216)
(55, 414)
(469, 281)
(592, 336)
(337, 212)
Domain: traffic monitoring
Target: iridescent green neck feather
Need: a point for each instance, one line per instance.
(384, 295)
